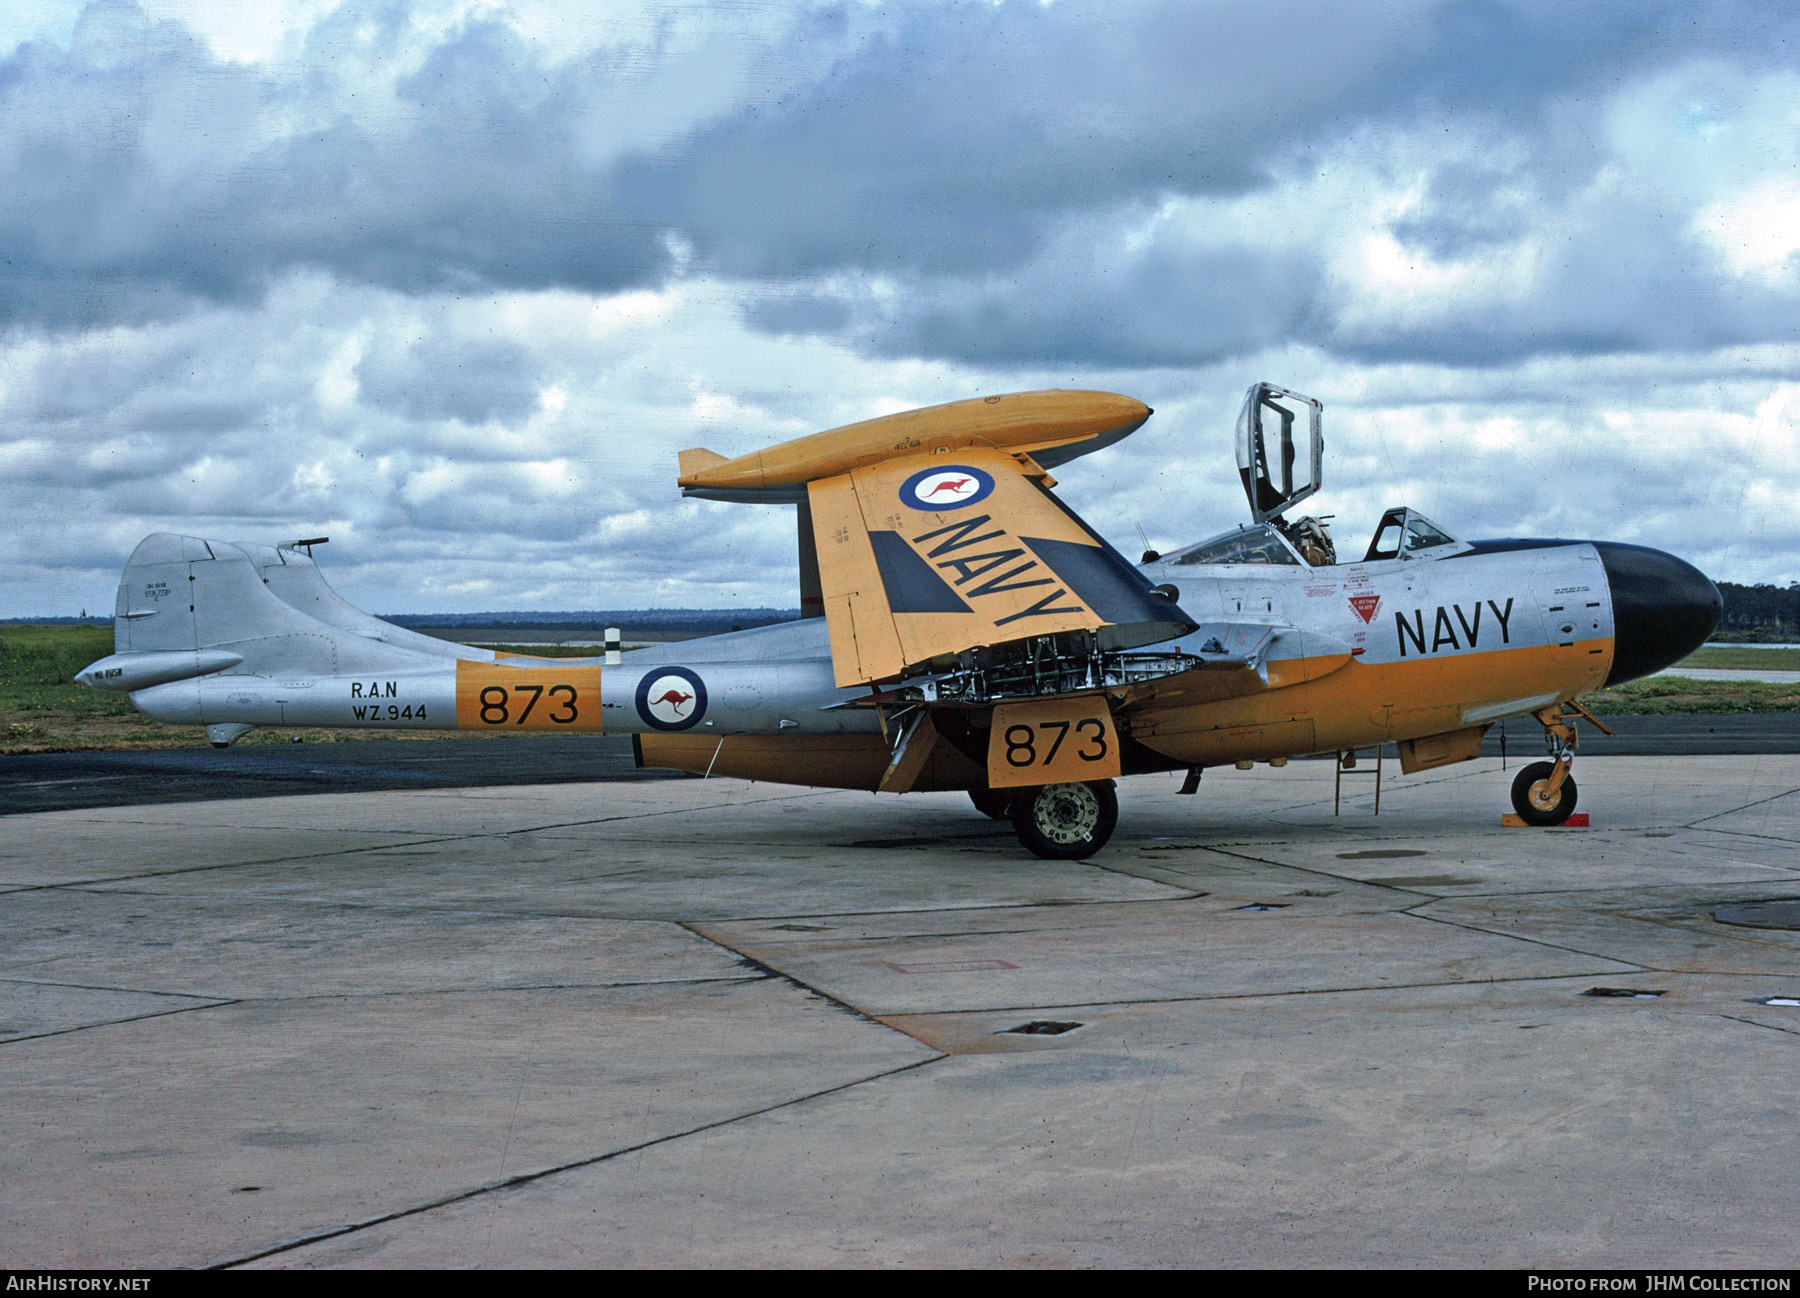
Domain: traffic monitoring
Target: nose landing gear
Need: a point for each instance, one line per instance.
(1065, 822)
(1544, 793)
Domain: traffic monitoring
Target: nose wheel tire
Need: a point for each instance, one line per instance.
(1065, 822)
(1531, 796)
(995, 804)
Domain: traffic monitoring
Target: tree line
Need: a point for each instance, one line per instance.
(1761, 612)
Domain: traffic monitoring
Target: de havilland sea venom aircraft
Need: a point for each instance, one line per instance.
(963, 629)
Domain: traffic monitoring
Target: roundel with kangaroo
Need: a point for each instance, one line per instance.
(671, 698)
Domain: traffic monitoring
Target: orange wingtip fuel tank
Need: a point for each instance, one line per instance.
(1052, 427)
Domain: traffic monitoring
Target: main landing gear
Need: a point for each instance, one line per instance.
(1065, 822)
(1544, 793)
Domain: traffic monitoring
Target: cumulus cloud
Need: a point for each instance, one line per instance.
(145, 173)
(1482, 248)
(454, 282)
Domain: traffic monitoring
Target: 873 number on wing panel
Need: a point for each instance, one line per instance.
(1052, 741)
(493, 696)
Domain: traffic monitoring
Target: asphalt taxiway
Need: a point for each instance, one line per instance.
(676, 1022)
(65, 781)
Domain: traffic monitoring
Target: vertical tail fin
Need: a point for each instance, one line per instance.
(153, 611)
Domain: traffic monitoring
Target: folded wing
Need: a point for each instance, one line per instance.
(924, 557)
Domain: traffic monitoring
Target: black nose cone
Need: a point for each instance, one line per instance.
(1663, 608)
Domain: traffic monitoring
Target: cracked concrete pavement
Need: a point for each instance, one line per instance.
(709, 1022)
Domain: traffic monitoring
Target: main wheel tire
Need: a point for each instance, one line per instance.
(1065, 822)
(995, 804)
(1528, 790)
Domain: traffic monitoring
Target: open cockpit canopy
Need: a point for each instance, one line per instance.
(1267, 456)
(1407, 534)
(1279, 471)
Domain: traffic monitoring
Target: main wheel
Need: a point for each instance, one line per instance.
(995, 804)
(1065, 822)
(1530, 798)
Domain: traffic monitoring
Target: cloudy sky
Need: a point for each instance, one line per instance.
(452, 281)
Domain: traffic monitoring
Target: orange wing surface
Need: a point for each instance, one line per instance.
(925, 557)
(1053, 427)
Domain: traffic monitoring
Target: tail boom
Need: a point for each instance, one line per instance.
(228, 637)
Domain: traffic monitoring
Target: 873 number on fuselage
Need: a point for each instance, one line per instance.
(494, 696)
(1052, 741)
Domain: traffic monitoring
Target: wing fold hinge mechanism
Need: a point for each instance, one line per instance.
(1070, 663)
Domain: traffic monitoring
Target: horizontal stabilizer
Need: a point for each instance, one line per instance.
(123, 673)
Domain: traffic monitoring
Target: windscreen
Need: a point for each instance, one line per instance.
(1404, 531)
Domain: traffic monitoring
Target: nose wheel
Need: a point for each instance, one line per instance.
(1540, 798)
(1065, 822)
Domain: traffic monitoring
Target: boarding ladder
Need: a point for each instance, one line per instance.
(1348, 769)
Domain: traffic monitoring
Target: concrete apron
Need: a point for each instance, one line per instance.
(712, 1022)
